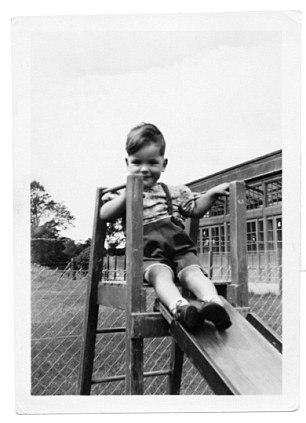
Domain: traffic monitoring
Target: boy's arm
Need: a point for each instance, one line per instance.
(113, 209)
(204, 203)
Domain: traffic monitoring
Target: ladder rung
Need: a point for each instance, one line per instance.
(122, 377)
(157, 373)
(108, 379)
(119, 329)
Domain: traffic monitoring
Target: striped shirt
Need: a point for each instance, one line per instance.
(155, 206)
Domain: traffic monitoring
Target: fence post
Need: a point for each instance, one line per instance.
(134, 251)
(73, 269)
(238, 239)
(107, 272)
(115, 268)
(124, 267)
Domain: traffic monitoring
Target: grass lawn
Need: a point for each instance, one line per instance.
(57, 323)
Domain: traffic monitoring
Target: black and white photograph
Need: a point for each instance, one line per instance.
(157, 206)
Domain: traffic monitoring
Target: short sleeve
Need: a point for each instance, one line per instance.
(187, 201)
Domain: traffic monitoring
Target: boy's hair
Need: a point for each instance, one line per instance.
(142, 135)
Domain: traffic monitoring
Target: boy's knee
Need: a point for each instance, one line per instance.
(191, 272)
(156, 272)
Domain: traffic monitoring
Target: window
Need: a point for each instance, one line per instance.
(214, 238)
(215, 234)
(251, 236)
(270, 234)
(279, 239)
(255, 236)
(274, 192)
(228, 237)
(218, 209)
(260, 226)
(254, 196)
(204, 240)
(222, 239)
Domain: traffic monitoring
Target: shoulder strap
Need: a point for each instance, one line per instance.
(168, 197)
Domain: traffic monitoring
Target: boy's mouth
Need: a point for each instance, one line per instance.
(148, 180)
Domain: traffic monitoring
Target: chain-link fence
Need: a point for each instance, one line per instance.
(264, 283)
(58, 303)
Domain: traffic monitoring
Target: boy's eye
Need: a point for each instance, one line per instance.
(138, 162)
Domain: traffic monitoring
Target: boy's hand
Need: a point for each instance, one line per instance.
(109, 196)
(222, 189)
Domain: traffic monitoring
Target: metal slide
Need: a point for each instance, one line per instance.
(238, 361)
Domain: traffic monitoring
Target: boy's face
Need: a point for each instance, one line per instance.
(148, 162)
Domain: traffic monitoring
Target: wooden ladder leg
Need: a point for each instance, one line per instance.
(176, 366)
(177, 355)
(134, 253)
(92, 308)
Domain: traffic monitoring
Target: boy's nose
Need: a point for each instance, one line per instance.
(144, 169)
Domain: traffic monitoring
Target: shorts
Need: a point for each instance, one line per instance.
(168, 244)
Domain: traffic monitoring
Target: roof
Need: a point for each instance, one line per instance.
(259, 167)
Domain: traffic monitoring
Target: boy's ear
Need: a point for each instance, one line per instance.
(165, 164)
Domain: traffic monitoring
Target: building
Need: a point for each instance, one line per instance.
(263, 178)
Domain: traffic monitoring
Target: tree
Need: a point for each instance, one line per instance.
(49, 252)
(73, 249)
(48, 218)
(115, 238)
(82, 259)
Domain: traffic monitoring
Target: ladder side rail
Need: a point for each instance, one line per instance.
(134, 280)
(238, 240)
(92, 308)
(176, 368)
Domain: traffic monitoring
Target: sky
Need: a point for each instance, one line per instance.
(215, 95)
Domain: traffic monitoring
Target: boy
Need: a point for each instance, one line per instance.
(168, 251)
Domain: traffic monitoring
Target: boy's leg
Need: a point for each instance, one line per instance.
(193, 278)
(161, 278)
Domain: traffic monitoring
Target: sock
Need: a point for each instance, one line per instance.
(213, 298)
(173, 304)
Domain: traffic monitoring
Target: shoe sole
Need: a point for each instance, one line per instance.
(216, 314)
(190, 319)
